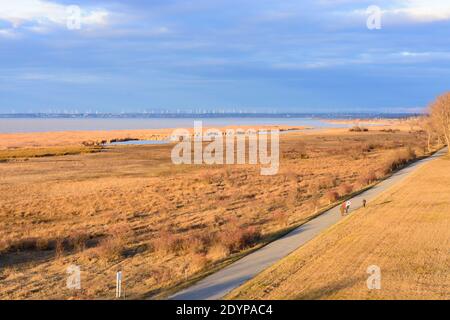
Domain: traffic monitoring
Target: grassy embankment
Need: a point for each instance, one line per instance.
(405, 231)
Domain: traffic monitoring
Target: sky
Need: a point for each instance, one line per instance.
(251, 55)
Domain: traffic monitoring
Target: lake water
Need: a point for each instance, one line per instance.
(13, 125)
(152, 142)
(138, 142)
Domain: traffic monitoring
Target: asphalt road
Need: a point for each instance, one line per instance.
(217, 285)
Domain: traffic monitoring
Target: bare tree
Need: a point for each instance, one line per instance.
(440, 116)
(426, 124)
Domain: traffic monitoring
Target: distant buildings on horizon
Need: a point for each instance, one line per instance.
(210, 114)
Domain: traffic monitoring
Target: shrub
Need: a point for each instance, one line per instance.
(345, 189)
(168, 242)
(111, 248)
(399, 159)
(198, 262)
(358, 129)
(217, 252)
(390, 130)
(78, 241)
(42, 244)
(240, 238)
(367, 178)
(4, 246)
(368, 147)
(24, 244)
(332, 196)
(380, 174)
(59, 247)
(249, 237)
(161, 275)
(195, 244)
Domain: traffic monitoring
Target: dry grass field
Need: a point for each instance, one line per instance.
(26, 153)
(29, 140)
(405, 231)
(129, 208)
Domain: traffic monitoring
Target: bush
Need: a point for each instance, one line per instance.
(199, 242)
(168, 242)
(332, 196)
(390, 130)
(59, 247)
(380, 174)
(111, 248)
(344, 189)
(240, 238)
(358, 129)
(367, 178)
(4, 246)
(42, 244)
(217, 252)
(368, 147)
(399, 159)
(78, 240)
(249, 237)
(24, 244)
(198, 262)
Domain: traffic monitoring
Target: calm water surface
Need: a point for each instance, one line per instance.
(44, 125)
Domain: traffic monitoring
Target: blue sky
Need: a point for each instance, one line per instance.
(258, 55)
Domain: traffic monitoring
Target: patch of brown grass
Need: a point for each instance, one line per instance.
(46, 152)
(113, 246)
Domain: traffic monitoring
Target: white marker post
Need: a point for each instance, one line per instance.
(119, 284)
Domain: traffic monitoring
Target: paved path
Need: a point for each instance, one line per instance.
(220, 283)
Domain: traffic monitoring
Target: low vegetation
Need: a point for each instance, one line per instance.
(45, 152)
(358, 129)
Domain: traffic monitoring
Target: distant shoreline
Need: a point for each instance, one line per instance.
(18, 140)
(318, 116)
(40, 125)
(47, 132)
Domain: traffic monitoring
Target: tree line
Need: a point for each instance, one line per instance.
(436, 121)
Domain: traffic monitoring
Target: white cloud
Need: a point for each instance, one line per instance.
(41, 14)
(424, 10)
(421, 11)
(365, 58)
(60, 77)
(8, 33)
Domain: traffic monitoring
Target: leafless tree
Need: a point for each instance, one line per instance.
(440, 116)
(426, 124)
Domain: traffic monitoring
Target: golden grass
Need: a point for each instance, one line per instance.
(45, 152)
(405, 231)
(164, 225)
(77, 138)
